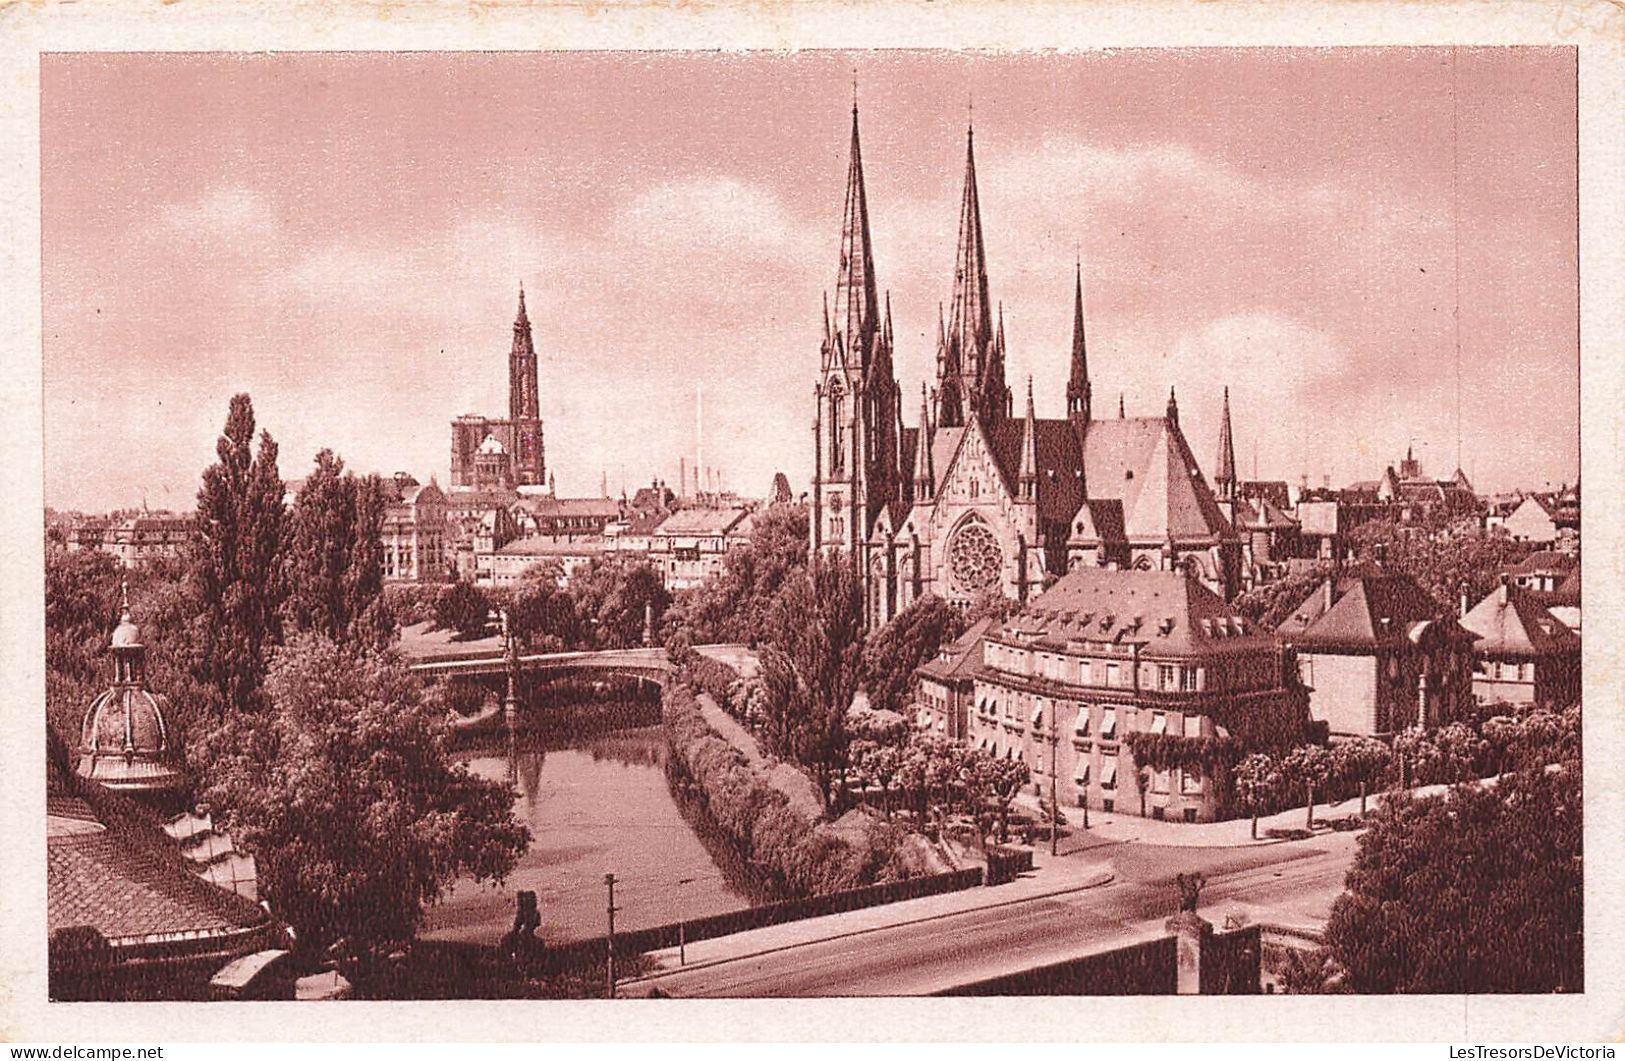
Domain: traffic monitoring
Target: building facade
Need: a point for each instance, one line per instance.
(1105, 654)
(1523, 654)
(979, 498)
(416, 534)
(489, 453)
(1379, 655)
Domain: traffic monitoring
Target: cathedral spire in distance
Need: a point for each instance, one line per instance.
(857, 304)
(1078, 389)
(1225, 479)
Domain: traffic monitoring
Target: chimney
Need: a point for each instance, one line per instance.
(1466, 603)
(1506, 588)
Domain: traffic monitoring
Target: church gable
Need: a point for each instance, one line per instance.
(973, 475)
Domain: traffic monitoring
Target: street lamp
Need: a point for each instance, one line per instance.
(510, 653)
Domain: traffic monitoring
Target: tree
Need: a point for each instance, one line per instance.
(1270, 603)
(1443, 560)
(237, 550)
(812, 669)
(735, 604)
(1360, 762)
(335, 556)
(998, 780)
(343, 793)
(613, 599)
(1478, 890)
(1307, 769)
(543, 615)
(894, 651)
(1259, 781)
(463, 607)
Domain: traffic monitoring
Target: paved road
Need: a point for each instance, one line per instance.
(1299, 880)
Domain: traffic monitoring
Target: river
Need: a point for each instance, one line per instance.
(596, 805)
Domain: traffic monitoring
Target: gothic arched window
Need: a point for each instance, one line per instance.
(837, 432)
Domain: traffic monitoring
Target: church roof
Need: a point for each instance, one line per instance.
(1168, 612)
(1145, 463)
(1511, 622)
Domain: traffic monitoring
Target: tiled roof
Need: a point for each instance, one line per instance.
(1145, 462)
(700, 521)
(127, 880)
(1168, 612)
(1545, 561)
(545, 546)
(548, 507)
(959, 659)
(1351, 611)
(1512, 622)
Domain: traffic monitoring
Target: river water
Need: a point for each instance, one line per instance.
(596, 805)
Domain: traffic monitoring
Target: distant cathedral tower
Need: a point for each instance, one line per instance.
(523, 407)
(855, 427)
(489, 454)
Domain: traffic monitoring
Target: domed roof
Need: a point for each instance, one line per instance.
(126, 634)
(491, 445)
(125, 742)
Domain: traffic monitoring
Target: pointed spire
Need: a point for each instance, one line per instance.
(857, 306)
(826, 318)
(1077, 385)
(1225, 479)
(1173, 408)
(1029, 450)
(970, 324)
(888, 332)
(941, 330)
(1119, 405)
(522, 320)
(124, 599)
(924, 475)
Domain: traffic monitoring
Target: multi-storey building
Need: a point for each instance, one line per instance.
(488, 453)
(415, 535)
(1379, 655)
(135, 540)
(1104, 654)
(1524, 654)
(977, 499)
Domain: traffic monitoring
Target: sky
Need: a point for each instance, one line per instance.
(343, 236)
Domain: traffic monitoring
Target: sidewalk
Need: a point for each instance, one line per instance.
(1062, 879)
(1116, 828)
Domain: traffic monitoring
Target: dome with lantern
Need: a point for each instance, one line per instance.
(125, 742)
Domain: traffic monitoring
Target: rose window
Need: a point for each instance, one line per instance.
(975, 558)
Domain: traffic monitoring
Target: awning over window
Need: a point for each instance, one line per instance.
(1108, 773)
(1081, 726)
(1108, 722)
(1038, 715)
(1159, 722)
(1081, 774)
(1193, 725)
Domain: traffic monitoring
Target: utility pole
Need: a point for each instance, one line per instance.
(609, 879)
(1054, 797)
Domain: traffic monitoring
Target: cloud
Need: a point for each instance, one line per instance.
(226, 214)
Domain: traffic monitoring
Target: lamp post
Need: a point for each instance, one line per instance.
(510, 654)
(1054, 797)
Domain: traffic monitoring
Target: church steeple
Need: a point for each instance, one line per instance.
(526, 453)
(1225, 478)
(857, 304)
(924, 474)
(1078, 390)
(1028, 477)
(970, 349)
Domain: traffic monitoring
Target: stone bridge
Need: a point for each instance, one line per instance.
(649, 664)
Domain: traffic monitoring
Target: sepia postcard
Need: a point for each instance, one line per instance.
(901, 520)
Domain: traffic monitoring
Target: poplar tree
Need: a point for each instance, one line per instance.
(237, 553)
(335, 556)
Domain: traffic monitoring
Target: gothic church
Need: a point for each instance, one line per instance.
(977, 499)
(488, 454)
